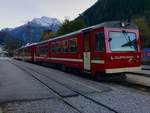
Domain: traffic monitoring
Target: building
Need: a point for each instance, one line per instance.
(3, 53)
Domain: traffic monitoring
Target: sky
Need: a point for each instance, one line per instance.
(17, 12)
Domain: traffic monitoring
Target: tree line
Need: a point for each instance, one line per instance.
(137, 11)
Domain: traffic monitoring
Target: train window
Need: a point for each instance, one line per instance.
(46, 49)
(86, 42)
(37, 51)
(65, 46)
(99, 41)
(61, 47)
(43, 49)
(40, 50)
(53, 48)
(73, 45)
(58, 48)
(26, 51)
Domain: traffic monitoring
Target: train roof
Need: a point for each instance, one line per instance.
(110, 24)
(116, 24)
(27, 45)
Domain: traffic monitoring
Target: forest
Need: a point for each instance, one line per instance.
(137, 11)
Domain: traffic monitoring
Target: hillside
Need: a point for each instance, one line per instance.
(137, 11)
(107, 10)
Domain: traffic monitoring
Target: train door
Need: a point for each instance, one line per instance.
(86, 51)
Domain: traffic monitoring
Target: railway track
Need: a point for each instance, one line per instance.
(134, 82)
(38, 76)
(38, 79)
(129, 85)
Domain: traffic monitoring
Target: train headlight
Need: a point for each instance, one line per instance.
(111, 58)
(122, 24)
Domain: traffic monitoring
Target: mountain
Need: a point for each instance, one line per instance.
(31, 31)
(108, 10)
(51, 23)
(136, 11)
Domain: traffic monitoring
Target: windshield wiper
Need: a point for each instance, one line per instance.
(110, 39)
(129, 42)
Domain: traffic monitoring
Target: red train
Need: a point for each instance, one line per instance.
(110, 47)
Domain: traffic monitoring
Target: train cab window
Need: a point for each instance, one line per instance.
(73, 45)
(65, 46)
(126, 41)
(99, 41)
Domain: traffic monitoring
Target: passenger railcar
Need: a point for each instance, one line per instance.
(110, 47)
(26, 53)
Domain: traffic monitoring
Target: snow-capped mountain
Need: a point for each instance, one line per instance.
(52, 23)
(32, 30)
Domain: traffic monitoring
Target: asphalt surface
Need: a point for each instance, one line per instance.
(140, 77)
(30, 88)
(15, 84)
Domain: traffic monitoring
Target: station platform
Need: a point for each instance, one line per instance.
(141, 77)
(145, 71)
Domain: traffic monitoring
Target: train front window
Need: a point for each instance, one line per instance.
(122, 41)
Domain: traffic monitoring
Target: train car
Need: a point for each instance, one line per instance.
(18, 54)
(26, 53)
(63, 51)
(110, 47)
(42, 52)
